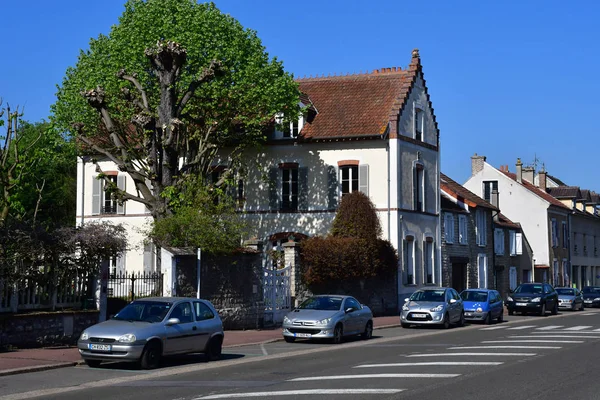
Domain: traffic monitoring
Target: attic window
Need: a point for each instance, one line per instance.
(419, 122)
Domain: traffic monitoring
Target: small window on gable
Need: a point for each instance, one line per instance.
(286, 129)
(419, 187)
(419, 122)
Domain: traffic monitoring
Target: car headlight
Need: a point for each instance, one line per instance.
(286, 320)
(568, 300)
(84, 336)
(324, 321)
(405, 308)
(128, 338)
(437, 308)
(597, 299)
(536, 300)
(479, 309)
(509, 298)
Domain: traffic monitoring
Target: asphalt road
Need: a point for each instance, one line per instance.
(551, 357)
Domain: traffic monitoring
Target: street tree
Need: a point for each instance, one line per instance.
(174, 85)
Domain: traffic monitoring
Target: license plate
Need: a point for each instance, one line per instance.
(99, 347)
(468, 314)
(521, 304)
(588, 301)
(303, 335)
(419, 315)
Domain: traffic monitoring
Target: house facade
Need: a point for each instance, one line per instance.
(374, 132)
(541, 216)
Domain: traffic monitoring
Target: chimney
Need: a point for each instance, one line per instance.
(494, 201)
(476, 163)
(542, 179)
(528, 174)
(519, 171)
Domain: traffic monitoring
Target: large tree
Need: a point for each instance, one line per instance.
(173, 85)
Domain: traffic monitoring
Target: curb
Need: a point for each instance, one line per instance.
(37, 368)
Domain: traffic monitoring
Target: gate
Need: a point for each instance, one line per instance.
(277, 294)
(134, 286)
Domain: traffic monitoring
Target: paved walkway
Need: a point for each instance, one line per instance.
(30, 360)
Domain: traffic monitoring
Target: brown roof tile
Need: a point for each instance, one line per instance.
(564, 192)
(507, 223)
(463, 194)
(534, 189)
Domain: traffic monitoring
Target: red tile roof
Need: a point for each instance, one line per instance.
(357, 105)
(534, 189)
(504, 221)
(463, 194)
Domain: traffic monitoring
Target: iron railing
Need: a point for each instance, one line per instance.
(135, 285)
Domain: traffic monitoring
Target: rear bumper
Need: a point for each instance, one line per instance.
(529, 307)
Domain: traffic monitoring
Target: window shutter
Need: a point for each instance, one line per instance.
(121, 264)
(121, 179)
(415, 191)
(332, 187)
(405, 261)
(363, 178)
(519, 242)
(303, 188)
(274, 189)
(424, 189)
(96, 195)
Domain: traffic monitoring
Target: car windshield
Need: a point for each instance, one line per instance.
(566, 292)
(428, 295)
(529, 288)
(146, 311)
(322, 303)
(470, 295)
(591, 290)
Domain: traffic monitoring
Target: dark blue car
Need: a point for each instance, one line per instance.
(483, 305)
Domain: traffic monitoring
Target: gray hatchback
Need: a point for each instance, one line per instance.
(147, 329)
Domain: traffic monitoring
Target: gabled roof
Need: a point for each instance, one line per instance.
(463, 194)
(537, 191)
(359, 105)
(564, 192)
(556, 180)
(507, 223)
(585, 196)
(595, 197)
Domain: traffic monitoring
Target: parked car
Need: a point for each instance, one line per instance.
(591, 296)
(533, 298)
(570, 299)
(482, 305)
(328, 317)
(435, 306)
(147, 329)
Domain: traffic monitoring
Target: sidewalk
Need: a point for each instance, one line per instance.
(31, 360)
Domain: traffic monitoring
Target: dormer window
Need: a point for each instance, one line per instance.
(286, 129)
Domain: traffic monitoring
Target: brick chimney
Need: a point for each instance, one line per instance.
(542, 179)
(519, 172)
(477, 163)
(528, 174)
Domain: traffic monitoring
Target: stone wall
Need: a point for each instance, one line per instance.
(44, 328)
(232, 283)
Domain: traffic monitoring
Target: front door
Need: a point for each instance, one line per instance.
(459, 276)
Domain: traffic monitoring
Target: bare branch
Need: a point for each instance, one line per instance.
(133, 79)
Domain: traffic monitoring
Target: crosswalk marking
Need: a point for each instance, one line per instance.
(300, 392)
(577, 328)
(522, 327)
(549, 327)
(589, 313)
(491, 328)
(474, 354)
(503, 347)
(596, 330)
(533, 341)
(566, 331)
(440, 363)
(556, 336)
(366, 376)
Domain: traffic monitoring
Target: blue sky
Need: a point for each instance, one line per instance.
(507, 79)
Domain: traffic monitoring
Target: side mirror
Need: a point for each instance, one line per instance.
(349, 310)
(111, 316)
(452, 301)
(406, 300)
(172, 321)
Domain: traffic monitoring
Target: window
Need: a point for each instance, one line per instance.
(526, 275)
(554, 233)
(555, 268)
(462, 229)
(203, 312)
(289, 129)
(419, 187)
(289, 189)
(482, 270)
(103, 200)
(409, 261)
(449, 227)
(512, 276)
(349, 178)
(116, 265)
(565, 235)
(428, 258)
(566, 277)
(480, 226)
(419, 123)
(110, 204)
(499, 241)
(488, 188)
(352, 303)
(183, 312)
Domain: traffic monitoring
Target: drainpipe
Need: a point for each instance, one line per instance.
(389, 215)
(82, 188)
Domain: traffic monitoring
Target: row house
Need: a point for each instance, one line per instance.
(374, 132)
(481, 248)
(544, 218)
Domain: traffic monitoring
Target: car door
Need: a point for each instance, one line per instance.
(452, 307)
(578, 298)
(206, 324)
(552, 296)
(496, 304)
(458, 304)
(180, 337)
(352, 316)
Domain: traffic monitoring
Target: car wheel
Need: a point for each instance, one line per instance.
(446, 323)
(543, 310)
(404, 325)
(92, 363)
(214, 348)
(488, 319)
(501, 316)
(582, 307)
(368, 333)
(511, 312)
(555, 309)
(151, 356)
(289, 339)
(338, 334)
(461, 322)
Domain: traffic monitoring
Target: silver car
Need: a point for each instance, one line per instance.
(147, 329)
(435, 306)
(570, 299)
(328, 317)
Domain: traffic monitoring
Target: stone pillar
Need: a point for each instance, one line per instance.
(292, 260)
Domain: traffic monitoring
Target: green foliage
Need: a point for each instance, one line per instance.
(353, 250)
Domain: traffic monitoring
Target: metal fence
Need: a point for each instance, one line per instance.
(135, 285)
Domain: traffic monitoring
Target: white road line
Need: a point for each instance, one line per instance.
(533, 341)
(589, 313)
(566, 331)
(492, 328)
(554, 336)
(596, 330)
(264, 350)
(366, 376)
(454, 363)
(503, 347)
(300, 392)
(549, 327)
(473, 354)
(578, 328)
(516, 328)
